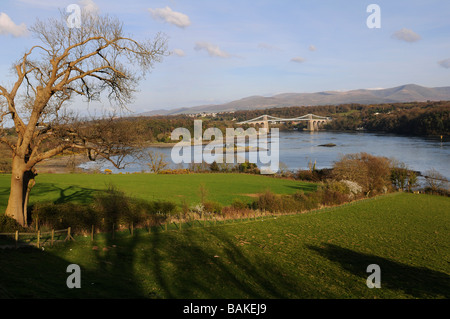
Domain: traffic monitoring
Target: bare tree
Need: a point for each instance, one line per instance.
(90, 62)
(157, 161)
(435, 180)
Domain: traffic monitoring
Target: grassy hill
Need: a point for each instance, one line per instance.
(322, 254)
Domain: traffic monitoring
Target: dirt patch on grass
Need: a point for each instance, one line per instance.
(251, 195)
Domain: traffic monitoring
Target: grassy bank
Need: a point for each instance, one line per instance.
(314, 255)
(223, 188)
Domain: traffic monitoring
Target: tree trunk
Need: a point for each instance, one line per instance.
(22, 180)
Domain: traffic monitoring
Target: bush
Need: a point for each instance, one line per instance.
(161, 207)
(111, 207)
(268, 201)
(248, 167)
(239, 204)
(372, 173)
(316, 175)
(271, 202)
(9, 225)
(60, 216)
(212, 207)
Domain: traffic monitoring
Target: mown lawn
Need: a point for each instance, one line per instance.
(223, 188)
(321, 254)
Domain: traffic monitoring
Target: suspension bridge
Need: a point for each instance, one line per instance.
(313, 121)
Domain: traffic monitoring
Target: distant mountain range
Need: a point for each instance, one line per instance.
(404, 93)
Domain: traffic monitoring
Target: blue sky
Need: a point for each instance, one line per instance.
(227, 50)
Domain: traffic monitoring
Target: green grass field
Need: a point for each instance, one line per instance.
(223, 188)
(322, 254)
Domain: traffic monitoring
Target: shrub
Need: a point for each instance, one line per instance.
(8, 225)
(248, 167)
(161, 207)
(58, 216)
(212, 207)
(354, 188)
(239, 204)
(372, 173)
(268, 201)
(111, 207)
(271, 202)
(313, 175)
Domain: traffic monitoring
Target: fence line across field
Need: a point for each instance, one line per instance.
(38, 235)
(165, 225)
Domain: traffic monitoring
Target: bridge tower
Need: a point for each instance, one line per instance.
(266, 123)
(310, 124)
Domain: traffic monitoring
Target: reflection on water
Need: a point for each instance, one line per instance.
(298, 148)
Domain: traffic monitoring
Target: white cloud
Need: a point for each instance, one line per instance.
(179, 52)
(7, 26)
(212, 49)
(445, 63)
(168, 15)
(298, 59)
(89, 6)
(312, 48)
(406, 35)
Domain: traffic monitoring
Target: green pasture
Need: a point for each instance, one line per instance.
(321, 254)
(223, 188)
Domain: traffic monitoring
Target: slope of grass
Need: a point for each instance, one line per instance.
(223, 188)
(322, 254)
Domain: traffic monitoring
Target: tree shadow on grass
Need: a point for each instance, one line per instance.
(170, 265)
(61, 195)
(419, 282)
(185, 267)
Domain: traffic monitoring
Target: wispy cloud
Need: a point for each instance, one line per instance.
(406, 35)
(312, 48)
(179, 52)
(212, 49)
(445, 63)
(166, 14)
(298, 59)
(268, 47)
(7, 26)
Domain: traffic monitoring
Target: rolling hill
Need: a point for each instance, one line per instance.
(404, 93)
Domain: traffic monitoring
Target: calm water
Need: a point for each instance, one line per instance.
(298, 148)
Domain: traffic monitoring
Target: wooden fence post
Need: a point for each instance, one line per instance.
(69, 236)
(92, 233)
(53, 236)
(16, 237)
(38, 238)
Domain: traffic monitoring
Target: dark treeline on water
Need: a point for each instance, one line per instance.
(418, 118)
(415, 119)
